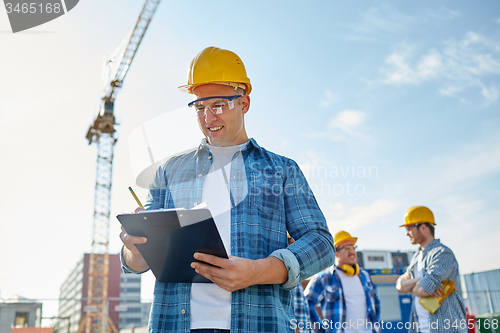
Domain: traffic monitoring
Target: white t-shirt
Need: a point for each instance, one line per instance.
(355, 299)
(422, 313)
(210, 304)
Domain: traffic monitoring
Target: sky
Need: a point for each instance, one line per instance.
(384, 104)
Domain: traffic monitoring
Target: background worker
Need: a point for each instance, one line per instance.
(345, 293)
(430, 266)
(255, 196)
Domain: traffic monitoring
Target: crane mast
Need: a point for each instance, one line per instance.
(102, 132)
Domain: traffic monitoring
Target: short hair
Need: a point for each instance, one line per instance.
(430, 226)
(241, 91)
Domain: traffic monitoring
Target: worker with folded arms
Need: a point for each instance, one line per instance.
(262, 194)
(345, 293)
(433, 264)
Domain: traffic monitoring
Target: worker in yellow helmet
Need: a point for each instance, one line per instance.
(430, 266)
(344, 292)
(255, 196)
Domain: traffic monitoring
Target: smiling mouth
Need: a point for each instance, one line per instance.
(213, 129)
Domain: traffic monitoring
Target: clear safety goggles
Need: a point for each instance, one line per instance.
(348, 248)
(216, 104)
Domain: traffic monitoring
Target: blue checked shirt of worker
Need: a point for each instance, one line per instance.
(439, 264)
(302, 319)
(325, 289)
(269, 196)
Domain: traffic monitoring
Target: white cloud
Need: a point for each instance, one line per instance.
(430, 65)
(313, 160)
(490, 94)
(458, 65)
(356, 217)
(385, 19)
(452, 90)
(400, 72)
(348, 121)
(329, 99)
(381, 23)
(443, 14)
(345, 125)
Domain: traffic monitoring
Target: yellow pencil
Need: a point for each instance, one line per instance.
(135, 197)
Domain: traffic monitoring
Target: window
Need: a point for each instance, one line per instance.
(376, 258)
(132, 320)
(21, 319)
(131, 290)
(399, 260)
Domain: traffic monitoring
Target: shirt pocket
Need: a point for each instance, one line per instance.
(266, 193)
(332, 294)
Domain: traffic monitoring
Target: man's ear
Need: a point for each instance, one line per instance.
(245, 103)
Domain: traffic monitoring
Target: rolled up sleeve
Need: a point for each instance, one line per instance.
(292, 266)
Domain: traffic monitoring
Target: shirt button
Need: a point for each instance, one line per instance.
(209, 157)
(200, 175)
(183, 311)
(195, 204)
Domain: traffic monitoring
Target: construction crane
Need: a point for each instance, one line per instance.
(102, 132)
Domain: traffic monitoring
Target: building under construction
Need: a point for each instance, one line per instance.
(124, 297)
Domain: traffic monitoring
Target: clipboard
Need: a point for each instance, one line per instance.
(173, 238)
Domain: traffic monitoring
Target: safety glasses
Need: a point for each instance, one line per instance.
(216, 104)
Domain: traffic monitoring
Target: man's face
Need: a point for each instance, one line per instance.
(227, 128)
(346, 253)
(416, 236)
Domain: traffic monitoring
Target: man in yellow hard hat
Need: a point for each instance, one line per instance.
(432, 264)
(344, 292)
(255, 196)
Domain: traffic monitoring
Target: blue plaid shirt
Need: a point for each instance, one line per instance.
(439, 264)
(269, 196)
(325, 289)
(301, 310)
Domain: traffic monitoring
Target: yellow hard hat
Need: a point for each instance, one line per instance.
(215, 65)
(343, 236)
(418, 214)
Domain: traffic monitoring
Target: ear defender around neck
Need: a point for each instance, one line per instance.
(350, 270)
